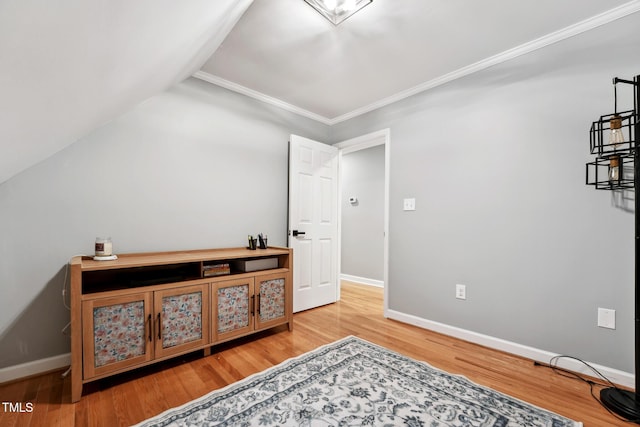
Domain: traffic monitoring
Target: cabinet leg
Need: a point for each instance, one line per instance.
(290, 324)
(207, 351)
(76, 390)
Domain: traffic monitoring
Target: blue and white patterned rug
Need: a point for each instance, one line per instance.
(353, 382)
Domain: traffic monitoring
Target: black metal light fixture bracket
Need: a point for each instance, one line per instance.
(624, 155)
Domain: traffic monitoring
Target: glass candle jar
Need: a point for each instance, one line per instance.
(104, 246)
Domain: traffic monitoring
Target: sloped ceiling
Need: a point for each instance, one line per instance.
(69, 67)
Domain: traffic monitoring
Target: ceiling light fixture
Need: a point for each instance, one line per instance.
(337, 11)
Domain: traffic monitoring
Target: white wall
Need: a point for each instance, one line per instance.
(496, 162)
(362, 239)
(195, 167)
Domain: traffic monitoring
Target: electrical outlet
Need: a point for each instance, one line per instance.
(461, 291)
(606, 318)
(409, 204)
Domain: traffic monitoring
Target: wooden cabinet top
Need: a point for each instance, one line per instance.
(87, 263)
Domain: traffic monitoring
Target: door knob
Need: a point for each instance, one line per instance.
(297, 233)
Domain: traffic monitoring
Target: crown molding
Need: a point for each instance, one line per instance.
(546, 40)
(551, 38)
(219, 81)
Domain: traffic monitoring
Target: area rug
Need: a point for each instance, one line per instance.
(353, 382)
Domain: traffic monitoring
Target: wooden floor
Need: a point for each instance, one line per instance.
(132, 397)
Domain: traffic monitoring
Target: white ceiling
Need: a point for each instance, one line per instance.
(67, 68)
(286, 50)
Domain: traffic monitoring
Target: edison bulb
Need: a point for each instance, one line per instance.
(616, 137)
(614, 169)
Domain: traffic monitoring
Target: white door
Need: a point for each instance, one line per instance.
(313, 222)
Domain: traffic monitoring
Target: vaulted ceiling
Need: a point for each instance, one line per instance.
(67, 68)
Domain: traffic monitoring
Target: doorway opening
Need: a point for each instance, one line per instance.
(363, 210)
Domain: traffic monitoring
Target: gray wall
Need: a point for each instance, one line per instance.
(496, 162)
(362, 244)
(194, 167)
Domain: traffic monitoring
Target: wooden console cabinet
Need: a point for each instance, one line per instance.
(147, 307)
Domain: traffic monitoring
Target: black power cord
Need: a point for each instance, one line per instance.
(602, 381)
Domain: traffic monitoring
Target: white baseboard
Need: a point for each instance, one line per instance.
(626, 379)
(362, 280)
(35, 367)
(616, 376)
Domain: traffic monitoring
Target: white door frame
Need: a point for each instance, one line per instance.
(381, 137)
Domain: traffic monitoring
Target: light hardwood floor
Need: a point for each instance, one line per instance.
(132, 397)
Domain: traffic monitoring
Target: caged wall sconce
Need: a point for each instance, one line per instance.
(613, 139)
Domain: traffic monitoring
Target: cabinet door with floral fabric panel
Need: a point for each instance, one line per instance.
(273, 300)
(233, 308)
(117, 333)
(181, 319)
